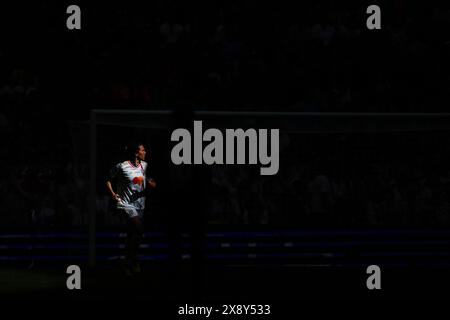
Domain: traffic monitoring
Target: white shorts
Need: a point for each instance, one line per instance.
(131, 212)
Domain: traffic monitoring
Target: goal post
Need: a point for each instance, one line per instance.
(286, 122)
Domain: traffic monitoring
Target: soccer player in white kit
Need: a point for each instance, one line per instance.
(131, 180)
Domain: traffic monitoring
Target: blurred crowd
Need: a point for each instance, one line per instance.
(230, 55)
(233, 55)
(386, 180)
(342, 179)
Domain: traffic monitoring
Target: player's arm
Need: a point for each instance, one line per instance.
(112, 174)
(151, 183)
(114, 195)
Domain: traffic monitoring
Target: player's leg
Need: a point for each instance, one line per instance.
(135, 229)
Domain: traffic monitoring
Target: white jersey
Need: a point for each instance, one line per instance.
(131, 183)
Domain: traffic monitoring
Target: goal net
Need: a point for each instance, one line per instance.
(335, 170)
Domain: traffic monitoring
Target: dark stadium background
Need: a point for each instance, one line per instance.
(367, 183)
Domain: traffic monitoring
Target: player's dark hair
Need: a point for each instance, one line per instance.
(131, 149)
